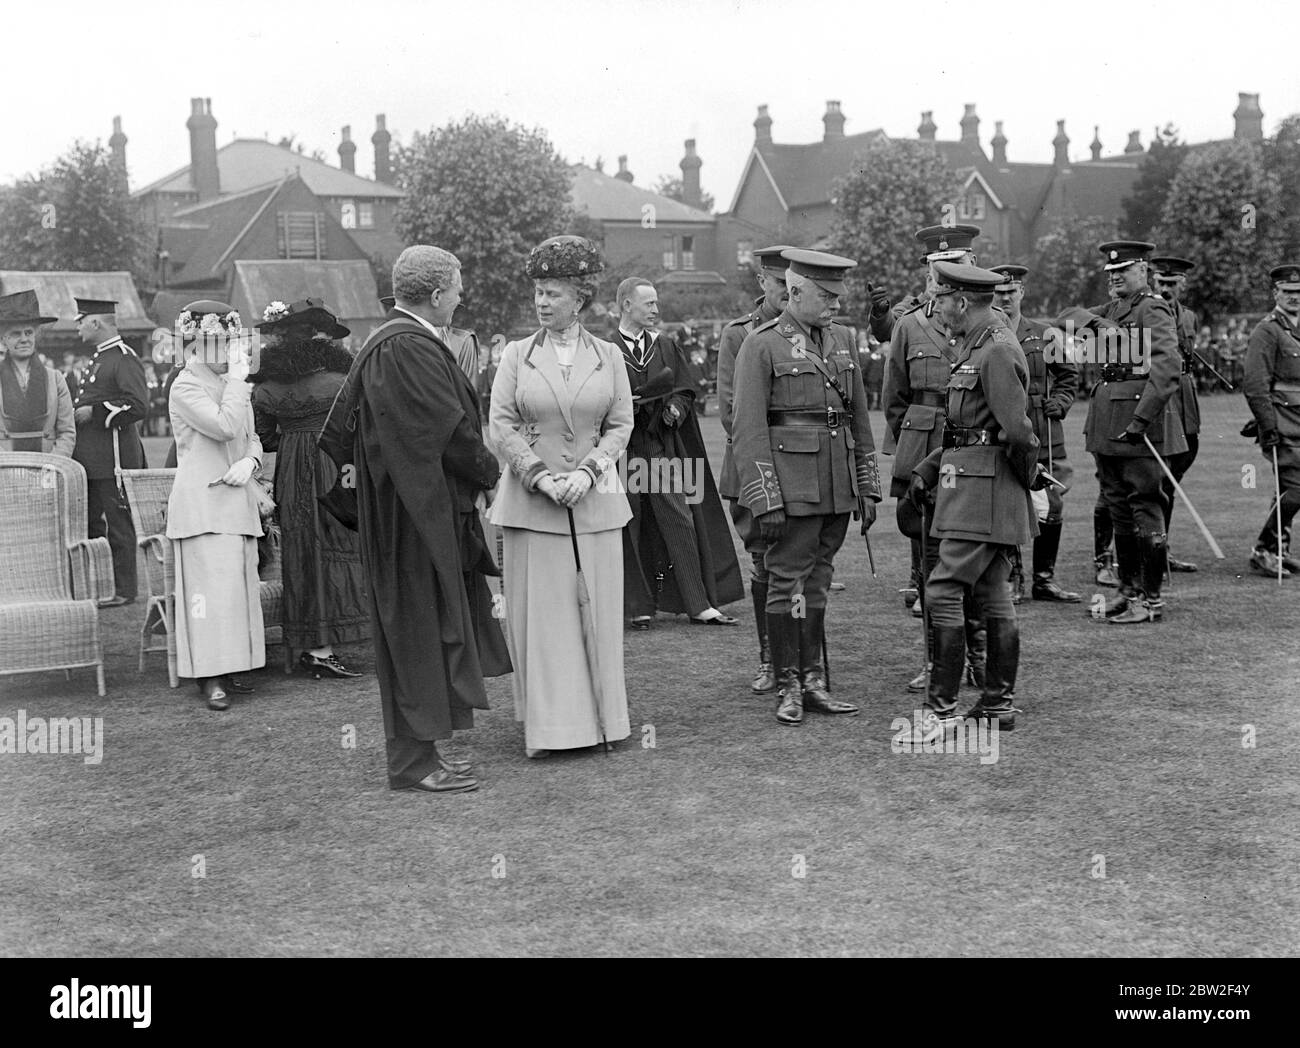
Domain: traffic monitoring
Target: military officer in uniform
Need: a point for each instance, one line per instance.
(1272, 386)
(1169, 276)
(771, 279)
(114, 396)
(806, 460)
(921, 353)
(980, 478)
(1140, 365)
(1053, 383)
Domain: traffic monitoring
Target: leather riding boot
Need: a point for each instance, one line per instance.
(816, 694)
(1017, 577)
(1129, 568)
(976, 647)
(997, 698)
(1147, 605)
(765, 680)
(1045, 549)
(1103, 531)
(945, 676)
(783, 639)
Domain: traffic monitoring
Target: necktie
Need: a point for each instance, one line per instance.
(817, 339)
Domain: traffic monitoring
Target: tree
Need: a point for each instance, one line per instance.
(77, 215)
(1282, 161)
(488, 191)
(1145, 202)
(1222, 214)
(671, 187)
(1067, 267)
(893, 188)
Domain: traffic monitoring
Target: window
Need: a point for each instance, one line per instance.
(670, 253)
(348, 214)
(366, 215)
(744, 253)
(972, 205)
(300, 234)
(688, 252)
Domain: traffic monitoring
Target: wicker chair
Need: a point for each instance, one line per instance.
(51, 574)
(147, 491)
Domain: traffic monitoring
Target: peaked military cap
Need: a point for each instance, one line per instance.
(825, 270)
(1121, 253)
(953, 277)
(89, 307)
(1171, 265)
(22, 307)
(771, 257)
(1011, 276)
(944, 243)
(1286, 277)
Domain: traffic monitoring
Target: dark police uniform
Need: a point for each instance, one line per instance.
(1272, 387)
(114, 379)
(981, 477)
(1053, 385)
(729, 479)
(803, 445)
(1128, 403)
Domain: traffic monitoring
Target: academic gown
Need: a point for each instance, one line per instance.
(421, 461)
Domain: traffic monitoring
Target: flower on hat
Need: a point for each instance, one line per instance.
(277, 310)
(564, 256)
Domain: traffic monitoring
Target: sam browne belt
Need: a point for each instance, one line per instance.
(829, 417)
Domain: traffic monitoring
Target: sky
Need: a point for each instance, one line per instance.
(635, 78)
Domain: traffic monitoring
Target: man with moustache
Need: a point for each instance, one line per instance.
(806, 460)
(1272, 387)
(771, 280)
(1053, 382)
(35, 405)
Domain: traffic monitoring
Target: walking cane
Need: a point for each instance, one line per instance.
(588, 633)
(1186, 501)
(925, 559)
(1277, 480)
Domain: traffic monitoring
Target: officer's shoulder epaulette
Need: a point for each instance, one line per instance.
(741, 321)
(769, 326)
(1001, 334)
(911, 306)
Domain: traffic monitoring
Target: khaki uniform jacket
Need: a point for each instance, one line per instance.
(1146, 320)
(1185, 402)
(1054, 381)
(805, 470)
(728, 346)
(920, 358)
(1272, 376)
(982, 491)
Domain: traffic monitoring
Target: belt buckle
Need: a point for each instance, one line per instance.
(984, 437)
(832, 418)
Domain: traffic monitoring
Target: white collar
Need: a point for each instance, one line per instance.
(108, 343)
(566, 337)
(636, 338)
(433, 330)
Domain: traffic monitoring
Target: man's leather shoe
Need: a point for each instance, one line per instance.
(237, 686)
(717, 620)
(837, 587)
(932, 729)
(1179, 565)
(918, 611)
(642, 622)
(1047, 589)
(116, 601)
(1117, 605)
(789, 706)
(820, 701)
(1005, 715)
(444, 781)
(765, 680)
(1139, 611)
(1106, 573)
(461, 768)
(1289, 563)
(1264, 562)
(215, 694)
(921, 681)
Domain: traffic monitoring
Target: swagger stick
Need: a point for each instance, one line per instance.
(1186, 501)
(1277, 480)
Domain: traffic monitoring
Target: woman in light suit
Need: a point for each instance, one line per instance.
(561, 416)
(213, 511)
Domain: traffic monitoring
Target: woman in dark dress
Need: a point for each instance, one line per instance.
(302, 368)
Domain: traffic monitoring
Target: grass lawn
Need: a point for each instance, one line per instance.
(1130, 749)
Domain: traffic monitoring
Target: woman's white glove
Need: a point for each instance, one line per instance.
(237, 360)
(239, 474)
(573, 486)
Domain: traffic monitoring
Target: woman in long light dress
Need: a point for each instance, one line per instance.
(561, 415)
(213, 513)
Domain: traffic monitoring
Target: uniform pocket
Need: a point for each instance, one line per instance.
(965, 498)
(794, 453)
(796, 382)
(914, 439)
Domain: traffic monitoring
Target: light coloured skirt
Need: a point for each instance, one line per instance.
(552, 683)
(218, 606)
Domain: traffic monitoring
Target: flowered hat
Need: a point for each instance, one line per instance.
(564, 256)
(208, 317)
(305, 311)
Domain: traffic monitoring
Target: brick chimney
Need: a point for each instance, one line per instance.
(1061, 147)
(690, 165)
(970, 129)
(1095, 146)
(999, 144)
(348, 151)
(762, 128)
(1134, 143)
(623, 174)
(380, 139)
(117, 143)
(204, 176)
(833, 122)
(927, 128)
(1248, 119)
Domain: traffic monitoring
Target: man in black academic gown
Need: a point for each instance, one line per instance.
(678, 529)
(421, 466)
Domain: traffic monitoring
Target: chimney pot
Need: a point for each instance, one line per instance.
(348, 151)
(1061, 146)
(380, 140)
(999, 144)
(1248, 118)
(763, 127)
(204, 175)
(927, 129)
(833, 121)
(623, 175)
(690, 165)
(1095, 147)
(1134, 144)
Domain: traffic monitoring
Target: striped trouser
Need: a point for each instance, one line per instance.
(670, 516)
